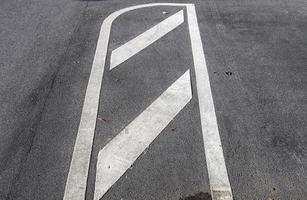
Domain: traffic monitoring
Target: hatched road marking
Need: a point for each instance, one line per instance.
(111, 155)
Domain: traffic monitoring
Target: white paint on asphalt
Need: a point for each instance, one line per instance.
(75, 188)
(77, 177)
(218, 177)
(122, 151)
(145, 39)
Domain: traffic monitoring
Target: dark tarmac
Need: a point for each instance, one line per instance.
(256, 58)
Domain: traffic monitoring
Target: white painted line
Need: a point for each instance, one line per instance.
(121, 152)
(218, 177)
(145, 39)
(77, 177)
(78, 172)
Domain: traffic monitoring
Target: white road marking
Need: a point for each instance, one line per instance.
(145, 39)
(122, 151)
(218, 177)
(77, 177)
(78, 172)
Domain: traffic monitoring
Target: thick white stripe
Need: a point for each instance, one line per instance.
(145, 39)
(218, 177)
(121, 152)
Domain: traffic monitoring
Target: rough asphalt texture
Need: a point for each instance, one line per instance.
(256, 54)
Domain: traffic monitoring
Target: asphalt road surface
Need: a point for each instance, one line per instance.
(136, 118)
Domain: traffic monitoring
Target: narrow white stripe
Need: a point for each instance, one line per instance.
(77, 177)
(145, 39)
(121, 152)
(218, 177)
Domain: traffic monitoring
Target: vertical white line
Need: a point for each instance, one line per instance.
(218, 177)
(78, 172)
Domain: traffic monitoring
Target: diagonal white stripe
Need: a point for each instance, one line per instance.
(121, 152)
(145, 39)
(78, 172)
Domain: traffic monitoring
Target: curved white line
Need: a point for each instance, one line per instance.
(77, 177)
(75, 188)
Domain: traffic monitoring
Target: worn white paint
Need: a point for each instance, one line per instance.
(77, 177)
(218, 177)
(121, 152)
(78, 172)
(75, 188)
(145, 39)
